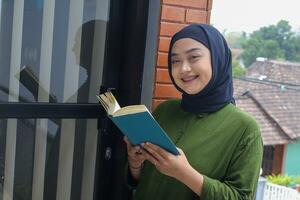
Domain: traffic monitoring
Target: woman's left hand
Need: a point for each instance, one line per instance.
(165, 162)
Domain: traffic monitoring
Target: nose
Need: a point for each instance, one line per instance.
(185, 67)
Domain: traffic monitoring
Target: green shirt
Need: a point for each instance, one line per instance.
(225, 147)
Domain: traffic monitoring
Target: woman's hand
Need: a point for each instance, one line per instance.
(135, 156)
(171, 165)
(177, 167)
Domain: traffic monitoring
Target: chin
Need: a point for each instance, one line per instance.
(192, 92)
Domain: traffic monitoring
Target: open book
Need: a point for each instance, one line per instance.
(137, 123)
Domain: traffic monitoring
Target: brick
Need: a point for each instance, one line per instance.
(172, 13)
(166, 91)
(169, 29)
(164, 43)
(209, 4)
(202, 4)
(156, 102)
(162, 59)
(162, 76)
(196, 16)
(208, 17)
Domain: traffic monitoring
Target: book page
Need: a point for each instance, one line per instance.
(130, 110)
(109, 102)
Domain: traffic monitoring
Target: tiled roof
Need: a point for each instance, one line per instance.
(271, 93)
(278, 71)
(252, 97)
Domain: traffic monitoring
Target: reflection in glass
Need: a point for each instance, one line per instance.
(34, 162)
(63, 46)
(50, 51)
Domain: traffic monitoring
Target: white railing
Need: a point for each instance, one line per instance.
(277, 192)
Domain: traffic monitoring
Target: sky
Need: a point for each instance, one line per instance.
(250, 15)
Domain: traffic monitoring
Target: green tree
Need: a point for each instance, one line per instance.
(237, 69)
(274, 41)
(235, 39)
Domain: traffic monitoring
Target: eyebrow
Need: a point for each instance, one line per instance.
(188, 51)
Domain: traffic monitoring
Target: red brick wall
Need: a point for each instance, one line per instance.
(175, 14)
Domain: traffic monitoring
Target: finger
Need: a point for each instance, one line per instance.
(137, 158)
(150, 158)
(128, 145)
(180, 151)
(162, 152)
(141, 156)
(127, 141)
(155, 152)
(134, 150)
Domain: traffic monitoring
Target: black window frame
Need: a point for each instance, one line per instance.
(125, 57)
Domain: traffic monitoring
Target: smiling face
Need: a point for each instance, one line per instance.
(191, 65)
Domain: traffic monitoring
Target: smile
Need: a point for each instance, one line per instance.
(189, 78)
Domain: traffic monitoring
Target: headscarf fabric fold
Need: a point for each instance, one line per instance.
(219, 90)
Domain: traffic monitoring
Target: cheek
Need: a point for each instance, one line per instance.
(175, 76)
(209, 73)
(173, 72)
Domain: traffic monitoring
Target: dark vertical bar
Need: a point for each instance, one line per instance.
(60, 34)
(52, 153)
(24, 159)
(85, 59)
(30, 55)
(150, 52)
(3, 129)
(112, 62)
(31, 47)
(130, 83)
(78, 158)
(5, 49)
(86, 53)
(59, 52)
(89, 10)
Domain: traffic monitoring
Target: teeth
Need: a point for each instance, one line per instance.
(189, 78)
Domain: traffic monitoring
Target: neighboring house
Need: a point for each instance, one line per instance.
(271, 93)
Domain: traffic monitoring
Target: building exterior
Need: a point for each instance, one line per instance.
(271, 92)
(55, 56)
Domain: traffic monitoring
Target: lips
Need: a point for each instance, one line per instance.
(189, 78)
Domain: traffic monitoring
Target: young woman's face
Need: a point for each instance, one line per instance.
(191, 65)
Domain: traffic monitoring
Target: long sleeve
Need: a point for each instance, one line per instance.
(226, 147)
(242, 175)
(129, 180)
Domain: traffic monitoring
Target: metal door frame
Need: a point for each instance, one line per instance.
(130, 48)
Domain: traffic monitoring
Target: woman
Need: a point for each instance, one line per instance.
(220, 145)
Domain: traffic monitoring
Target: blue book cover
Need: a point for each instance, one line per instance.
(142, 127)
(137, 123)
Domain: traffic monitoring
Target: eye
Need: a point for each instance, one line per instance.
(194, 58)
(175, 61)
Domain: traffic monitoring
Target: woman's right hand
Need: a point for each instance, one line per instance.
(136, 157)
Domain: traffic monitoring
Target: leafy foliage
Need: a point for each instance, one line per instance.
(274, 41)
(285, 180)
(237, 69)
